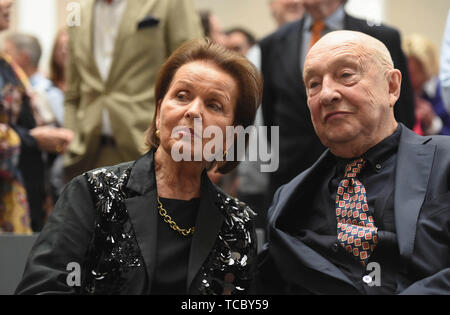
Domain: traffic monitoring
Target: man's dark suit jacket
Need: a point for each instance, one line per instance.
(422, 221)
(284, 98)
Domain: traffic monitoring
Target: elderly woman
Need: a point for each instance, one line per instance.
(155, 225)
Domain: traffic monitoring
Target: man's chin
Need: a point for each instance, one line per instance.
(337, 136)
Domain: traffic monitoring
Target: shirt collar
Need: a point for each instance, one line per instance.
(384, 149)
(376, 154)
(334, 22)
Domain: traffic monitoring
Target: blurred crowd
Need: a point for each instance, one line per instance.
(92, 107)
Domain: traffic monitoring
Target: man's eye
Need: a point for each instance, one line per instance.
(313, 85)
(346, 75)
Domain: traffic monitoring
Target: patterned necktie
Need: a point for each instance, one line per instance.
(355, 226)
(316, 32)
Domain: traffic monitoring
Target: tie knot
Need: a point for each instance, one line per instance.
(318, 27)
(354, 168)
(316, 32)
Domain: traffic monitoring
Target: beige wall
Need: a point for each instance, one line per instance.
(426, 17)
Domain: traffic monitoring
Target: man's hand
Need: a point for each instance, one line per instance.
(51, 139)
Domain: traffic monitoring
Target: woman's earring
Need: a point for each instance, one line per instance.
(157, 133)
(224, 157)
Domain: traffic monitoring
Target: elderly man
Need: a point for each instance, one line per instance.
(284, 101)
(372, 215)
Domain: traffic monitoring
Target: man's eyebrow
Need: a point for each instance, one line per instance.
(337, 62)
(308, 72)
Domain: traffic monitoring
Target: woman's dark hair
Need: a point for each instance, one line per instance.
(243, 71)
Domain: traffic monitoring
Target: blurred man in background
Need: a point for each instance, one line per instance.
(114, 57)
(285, 11)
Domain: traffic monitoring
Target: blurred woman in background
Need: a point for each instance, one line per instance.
(423, 66)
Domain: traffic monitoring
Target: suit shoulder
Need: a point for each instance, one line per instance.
(273, 38)
(443, 142)
(380, 31)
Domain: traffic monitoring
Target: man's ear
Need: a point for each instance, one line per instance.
(395, 84)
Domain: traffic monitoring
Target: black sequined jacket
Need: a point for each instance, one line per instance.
(101, 238)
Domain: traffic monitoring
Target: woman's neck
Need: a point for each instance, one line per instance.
(177, 180)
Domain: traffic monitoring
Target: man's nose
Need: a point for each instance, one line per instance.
(329, 93)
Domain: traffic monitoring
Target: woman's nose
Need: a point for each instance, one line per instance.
(194, 110)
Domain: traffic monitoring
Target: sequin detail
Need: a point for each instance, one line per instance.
(229, 267)
(113, 250)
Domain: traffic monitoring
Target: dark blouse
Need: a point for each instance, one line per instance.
(172, 251)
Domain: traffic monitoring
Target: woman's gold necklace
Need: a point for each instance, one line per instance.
(172, 224)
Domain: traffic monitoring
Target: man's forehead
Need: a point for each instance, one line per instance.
(332, 57)
(333, 48)
(356, 43)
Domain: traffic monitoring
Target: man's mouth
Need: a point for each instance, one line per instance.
(335, 115)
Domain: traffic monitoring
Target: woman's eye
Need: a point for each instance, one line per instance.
(182, 96)
(215, 107)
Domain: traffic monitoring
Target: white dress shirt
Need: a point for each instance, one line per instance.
(107, 19)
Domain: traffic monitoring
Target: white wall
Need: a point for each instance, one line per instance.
(371, 10)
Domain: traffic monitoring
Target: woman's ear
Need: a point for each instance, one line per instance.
(158, 113)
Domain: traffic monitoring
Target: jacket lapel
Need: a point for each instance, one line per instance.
(299, 187)
(288, 212)
(143, 215)
(142, 210)
(414, 162)
(207, 227)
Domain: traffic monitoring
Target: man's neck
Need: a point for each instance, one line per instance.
(360, 146)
